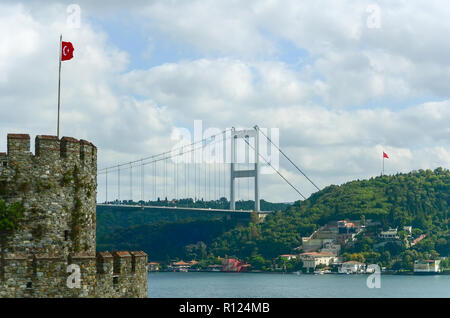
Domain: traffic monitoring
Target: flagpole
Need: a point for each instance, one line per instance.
(59, 81)
(383, 165)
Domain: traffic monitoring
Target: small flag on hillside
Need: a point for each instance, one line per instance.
(65, 53)
(384, 156)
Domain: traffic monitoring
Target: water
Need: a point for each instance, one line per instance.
(235, 285)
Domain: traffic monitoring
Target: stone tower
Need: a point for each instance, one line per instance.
(57, 187)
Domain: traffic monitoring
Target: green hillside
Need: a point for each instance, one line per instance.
(420, 198)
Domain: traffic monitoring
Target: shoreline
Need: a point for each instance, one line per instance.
(313, 274)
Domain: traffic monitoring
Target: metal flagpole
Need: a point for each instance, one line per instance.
(383, 165)
(118, 183)
(106, 185)
(59, 81)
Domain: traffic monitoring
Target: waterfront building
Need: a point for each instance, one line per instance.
(214, 268)
(352, 267)
(312, 259)
(233, 265)
(153, 267)
(180, 266)
(427, 266)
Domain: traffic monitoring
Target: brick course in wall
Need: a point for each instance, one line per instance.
(57, 187)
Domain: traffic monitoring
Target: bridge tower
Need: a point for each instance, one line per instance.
(251, 173)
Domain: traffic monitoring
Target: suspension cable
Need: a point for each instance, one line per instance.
(279, 173)
(157, 158)
(288, 158)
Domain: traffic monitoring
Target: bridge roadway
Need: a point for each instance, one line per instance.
(261, 214)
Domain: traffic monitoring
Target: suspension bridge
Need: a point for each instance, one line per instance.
(219, 173)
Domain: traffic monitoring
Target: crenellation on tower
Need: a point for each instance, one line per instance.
(57, 188)
(18, 145)
(122, 262)
(105, 263)
(47, 147)
(88, 153)
(70, 149)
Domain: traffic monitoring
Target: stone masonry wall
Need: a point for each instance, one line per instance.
(57, 188)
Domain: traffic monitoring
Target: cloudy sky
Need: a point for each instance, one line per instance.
(342, 80)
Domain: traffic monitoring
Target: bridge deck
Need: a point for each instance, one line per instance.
(181, 208)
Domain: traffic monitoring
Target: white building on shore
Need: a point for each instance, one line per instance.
(427, 266)
(352, 267)
(312, 259)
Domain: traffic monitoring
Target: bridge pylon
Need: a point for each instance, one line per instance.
(250, 173)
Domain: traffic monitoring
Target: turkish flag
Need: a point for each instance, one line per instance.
(385, 155)
(66, 51)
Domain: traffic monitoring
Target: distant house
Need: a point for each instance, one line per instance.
(390, 234)
(288, 257)
(233, 265)
(312, 259)
(153, 266)
(345, 227)
(408, 229)
(427, 266)
(214, 268)
(352, 267)
(180, 266)
(348, 230)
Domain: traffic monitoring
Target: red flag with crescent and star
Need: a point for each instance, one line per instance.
(66, 51)
(385, 155)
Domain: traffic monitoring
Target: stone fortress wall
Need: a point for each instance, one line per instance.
(57, 188)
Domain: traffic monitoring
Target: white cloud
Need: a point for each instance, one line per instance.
(403, 58)
(241, 80)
